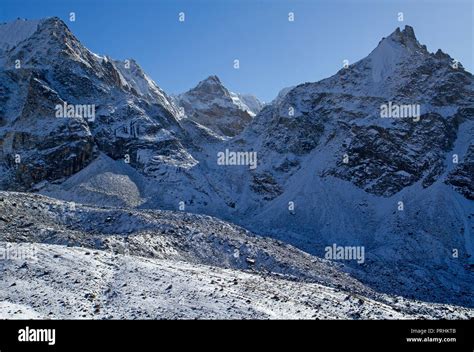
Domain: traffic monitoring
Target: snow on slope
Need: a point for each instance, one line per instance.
(77, 283)
(247, 102)
(10, 310)
(159, 234)
(137, 79)
(12, 33)
(390, 52)
(104, 181)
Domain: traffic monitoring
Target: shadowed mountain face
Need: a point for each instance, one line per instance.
(377, 156)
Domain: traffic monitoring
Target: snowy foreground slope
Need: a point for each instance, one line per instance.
(86, 262)
(75, 283)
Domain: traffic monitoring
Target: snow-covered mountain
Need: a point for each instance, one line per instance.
(133, 120)
(331, 168)
(212, 105)
(356, 177)
(384, 154)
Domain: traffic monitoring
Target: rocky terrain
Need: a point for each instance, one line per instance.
(68, 261)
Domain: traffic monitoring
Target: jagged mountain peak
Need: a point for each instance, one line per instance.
(44, 41)
(405, 36)
(213, 106)
(51, 26)
(248, 102)
(41, 42)
(135, 78)
(212, 79)
(212, 85)
(407, 33)
(394, 68)
(398, 47)
(402, 44)
(55, 29)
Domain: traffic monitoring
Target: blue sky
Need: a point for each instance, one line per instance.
(273, 52)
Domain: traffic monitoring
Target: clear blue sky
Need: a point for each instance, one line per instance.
(273, 52)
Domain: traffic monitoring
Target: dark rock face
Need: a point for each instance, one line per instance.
(297, 136)
(462, 177)
(37, 146)
(265, 185)
(385, 160)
